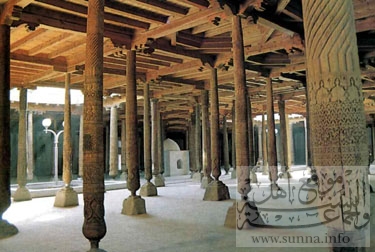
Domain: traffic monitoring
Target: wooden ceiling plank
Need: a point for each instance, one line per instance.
(27, 39)
(165, 7)
(46, 44)
(136, 12)
(107, 16)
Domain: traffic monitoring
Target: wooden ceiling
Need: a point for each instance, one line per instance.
(174, 39)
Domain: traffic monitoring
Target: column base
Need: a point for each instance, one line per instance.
(197, 177)
(148, 190)
(216, 191)
(66, 197)
(233, 174)
(133, 205)
(7, 229)
(96, 250)
(265, 171)
(113, 175)
(253, 177)
(242, 215)
(206, 181)
(159, 180)
(22, 194)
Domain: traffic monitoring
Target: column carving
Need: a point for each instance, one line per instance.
(94, 227)
(337, 117)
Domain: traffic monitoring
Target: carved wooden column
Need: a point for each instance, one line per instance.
(155, 128)
(80, 148)
(264, 146)
(124, 169)
(30, 146)
(272, 155)
(67, 197)
(284, 140)
(337, 117)
(148, 189)
(134, 204)
(252, 161)
(6, 229)
(22, 192)
(206, 146)
(234, 173)
(216, 190)
(191, 145)
(94, 227)
(240, 95)
(113, 143)
(160, 148)
(198, 144)
(225, 145)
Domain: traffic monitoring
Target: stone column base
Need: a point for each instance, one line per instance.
(148, 189)
(159, 180)
(206, 181)
(7, 229)
(242, 215)
(22, 194)
(133, 205)
(216, 191)
(233, 174)
(66, 197)
(197, 177)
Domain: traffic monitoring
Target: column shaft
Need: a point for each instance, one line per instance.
(154, 140)
(234, 138)
(113, 143)
(147, 133)
(7, 229)
(240, 95)
(283, 137)
(21, 155)
(131, 124)
(264, 146)
(206, 155)
(80, 150)
(198, 139)
(30, 146)
(272, 156)
(214, 102)
(94, 227)
(225, 144)
(67, 147)
(337, 117)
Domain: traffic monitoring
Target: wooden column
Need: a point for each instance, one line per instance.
(206, 146)
(264, 146)
(30, 146)
(148, 189)
(113, 143)
(80, 150)
(240, 95)
(216, 190)
(6, 229)
(198, 140)
(134, 204)
(337, 117)
(22, 192)
(284, 140)
(272, 155)
(252, 161)
(234, 173)
(225, 144)
(155, 128)
(94, 227)
(67, 197)
(124, 169)
(161, 144)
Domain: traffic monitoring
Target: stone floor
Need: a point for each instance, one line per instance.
(176, 220)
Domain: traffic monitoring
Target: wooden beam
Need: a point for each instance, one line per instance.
(165, 7)
(48, 43)
(33, 35)
(175, 26)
